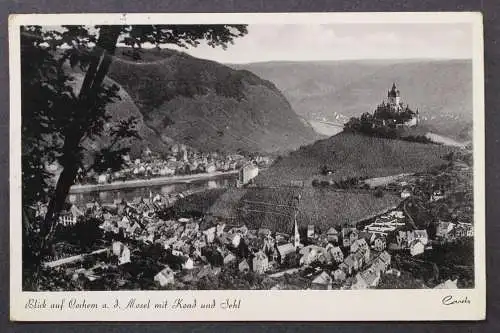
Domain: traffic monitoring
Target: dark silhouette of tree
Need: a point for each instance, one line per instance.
(57, 119)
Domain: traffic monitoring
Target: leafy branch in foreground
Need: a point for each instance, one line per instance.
(59, 119)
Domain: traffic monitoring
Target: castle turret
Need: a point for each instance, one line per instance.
(394, 97)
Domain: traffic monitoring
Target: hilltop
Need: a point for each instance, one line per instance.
(353, 155)
(338, 90)
(204, 104)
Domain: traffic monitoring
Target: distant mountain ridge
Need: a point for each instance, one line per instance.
(338, 90)
(204, 104)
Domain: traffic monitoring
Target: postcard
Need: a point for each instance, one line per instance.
(247, 167)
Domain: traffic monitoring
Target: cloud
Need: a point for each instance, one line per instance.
(343, 41)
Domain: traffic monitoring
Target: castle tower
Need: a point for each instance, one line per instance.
(394, 97)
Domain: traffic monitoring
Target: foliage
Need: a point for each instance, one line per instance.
(85, 234)
(443, 262)
(59, 122)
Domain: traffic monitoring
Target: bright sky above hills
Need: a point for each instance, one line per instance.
(315, 42)
(345, 41)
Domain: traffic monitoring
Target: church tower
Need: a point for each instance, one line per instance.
(296, 234)
(394, 97)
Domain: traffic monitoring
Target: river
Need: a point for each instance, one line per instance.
(108, 196)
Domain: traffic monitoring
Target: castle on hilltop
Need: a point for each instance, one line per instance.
(394, 112)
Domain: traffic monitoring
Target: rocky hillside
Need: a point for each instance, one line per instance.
(206, 105)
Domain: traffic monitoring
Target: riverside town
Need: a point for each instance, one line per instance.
(153, 169)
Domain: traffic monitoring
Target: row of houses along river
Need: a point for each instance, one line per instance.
(81, 196)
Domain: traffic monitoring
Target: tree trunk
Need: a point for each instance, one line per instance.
(94, 77)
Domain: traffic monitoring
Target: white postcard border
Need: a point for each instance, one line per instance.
(303, 305)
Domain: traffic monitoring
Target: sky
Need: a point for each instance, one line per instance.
(345, 41)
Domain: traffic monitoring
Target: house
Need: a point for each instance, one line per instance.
(382, 262)
(192, 227)
(379, 243)
(332, 235)
(310, 231)
(402, 239)
(394, 272)
(335, 253)
(103, 179)
(396, 214)
(76, 211)
(132, 228)
(444, 229)
(165, 277)
(210, 234)
(210, 168)
(219, 229)
(448, 284)
(243, 230)
(121, 251)
(284, 251)
(229, 258)
(235, 239)
(463, 230)
(436, 196)
(416, 247)
(366, 235)
(353, 236)
(366, 279)
(260, 263)
(420, 235)
(360, 246)
(244, 266)
(339, 275)
(310, 254)
(349, 235)
(353, 263)
(269, 245)
(188, 264)
(247, 173)
(67, 219)
(322, 282)
(406, 193)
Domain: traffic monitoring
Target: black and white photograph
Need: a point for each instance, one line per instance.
(269, 155)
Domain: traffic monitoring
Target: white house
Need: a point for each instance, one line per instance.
(247, 173)
(188, 264)
(405, 194)
(122, 252)
(416, 247)
(165, 277)
(103, 179)
(260, 263)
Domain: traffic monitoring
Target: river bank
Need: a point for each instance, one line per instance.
(134, 183)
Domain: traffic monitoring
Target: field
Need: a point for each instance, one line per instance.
(350, 155)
